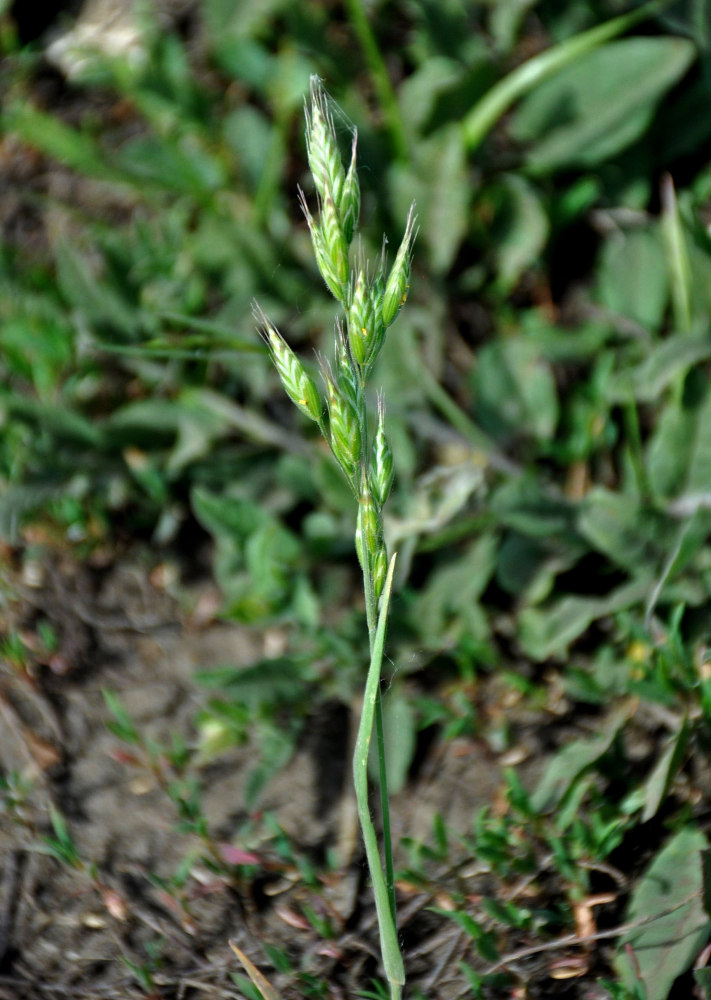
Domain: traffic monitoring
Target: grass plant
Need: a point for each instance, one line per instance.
(371, 301)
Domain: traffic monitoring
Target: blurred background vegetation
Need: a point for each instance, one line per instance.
(547, 385)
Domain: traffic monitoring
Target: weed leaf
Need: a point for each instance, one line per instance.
(603, 102)
(659, 781)
(671, 888)
(569, 764)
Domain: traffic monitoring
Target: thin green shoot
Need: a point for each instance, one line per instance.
(392, 958)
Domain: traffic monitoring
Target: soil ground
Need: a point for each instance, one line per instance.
(97, 928)
(72, 931)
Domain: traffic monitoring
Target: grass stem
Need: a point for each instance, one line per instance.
(381, 80)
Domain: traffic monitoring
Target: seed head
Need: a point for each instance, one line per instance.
(366, 331)
(360, 548)
(349, 206)
(369, 518)
(398, 282)
(346, 371)
(360, 318)
(321, 146)
(381, 473)
(334, 241)
(380, 571)
(299, 386)
(344, 427)
(329, 247)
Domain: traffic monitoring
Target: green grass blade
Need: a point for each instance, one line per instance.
(381, 80)
(677, 256)
(524, 78)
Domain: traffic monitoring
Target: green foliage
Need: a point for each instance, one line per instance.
(593, 110)
(668, 898)
(547, 459)
(60, 844)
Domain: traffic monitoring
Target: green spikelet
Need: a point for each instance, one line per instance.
(346, 372)
(381, 474)
(344, 427)
(322, 149)
(299, 386)
(370, 524)
(332, 265)
(334, 243)
(360, 318)
(380, 570)
(349, 205)
(398, 283)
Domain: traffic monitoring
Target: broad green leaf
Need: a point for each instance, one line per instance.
(570, 763)
(145, 418)
(248, 134)
(255, 555)
(289, 80)
(670, 890)
(522, 505)
(520, 230)
(528, 568)
(275, 682)
(519, 561)
(533, 72)
(617, 525)
(66, 425)
(418, 91)
(450, 603)
(95, 300)
(548, 631)
(659, 782)
(199, 426)
(595, 108)
(185, 166)
(558, 343)
(226, 516)
(442, 190)
(678, 456)
(662, 365)
(47, 133)
(515, 390)
(669, 451)
(225, 19)
(689, 539)
(633, 278)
